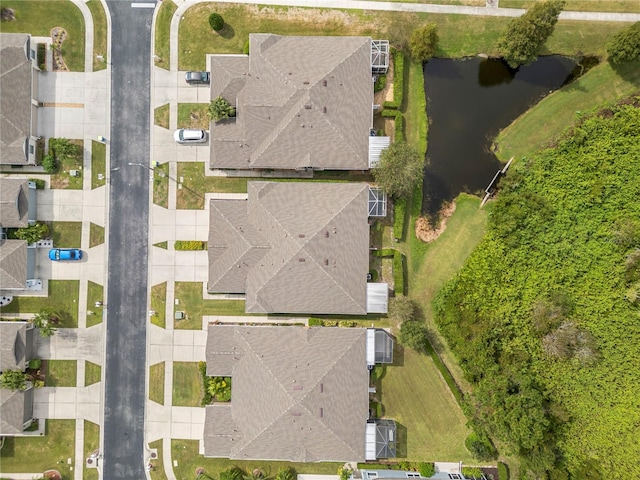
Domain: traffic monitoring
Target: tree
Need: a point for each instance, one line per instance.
(233, 473)
(525, 35)
(220, 108)
(413, 334)
(13, 380)
(287, 473)
(62, 148)
(399, 170)
(401, 309)
(44, 322)
(625, 45)
(49, 164)
(216, 22)
(423, 42)
(33, 233)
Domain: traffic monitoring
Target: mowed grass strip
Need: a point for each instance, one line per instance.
(95, 293)
(37, 454)
(431, 422)
(96, 235)
(459, 35)
(185, 453)
(62, 299)
(162, 34)
(193, 115)
(92, 373)
(158, 304)
(161, 185)
(626, 6)
(189, 295)
(161, 114)
(187, 385)
(99, 34)
(38, 17)
(61, 373)
(539, 126)
(156, 383)
(91, 444)
(98, 164)
(157, 472)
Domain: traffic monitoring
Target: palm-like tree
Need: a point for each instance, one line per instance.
(257, 474)
(220, 109)
(45, 321)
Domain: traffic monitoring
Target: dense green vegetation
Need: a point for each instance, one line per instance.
(539, 317)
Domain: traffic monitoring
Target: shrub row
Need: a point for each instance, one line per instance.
(398, 80)
(319, 322)
(190, 245)
(380, 83)
(400, 216)
(399, 125)
(206, 396)
(398, 272)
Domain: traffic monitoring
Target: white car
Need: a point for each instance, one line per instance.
(190, 135)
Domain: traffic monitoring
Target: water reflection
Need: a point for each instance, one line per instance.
(468, 102)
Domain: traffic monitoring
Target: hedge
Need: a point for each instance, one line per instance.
(399, 126)
(190, 245)
(206, 397)
(399, 219)
(315, 322)
(385, 252)
(398, 80)
(380, 83)
(398, 272)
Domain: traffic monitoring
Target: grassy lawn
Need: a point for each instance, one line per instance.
(96, 235)
(158, 304)
(187, 385)
(61, 373)
(163, 24)
(38, 17)
(99, 34)
(92, 373)
(191, 302)
(185, 452)
(414, 111)
(63, 179)
(630, 6)
(431, 425)
(63, 299)
(91, 444)
(66, 234)
(156, 383)
(95, 293)
(459, 35)
(161, 184)
(193, 115)
(157, 472)
(196, 184)
(162, 245)
(548, 119)
(98, 163)
(161, 113)
(37, 454)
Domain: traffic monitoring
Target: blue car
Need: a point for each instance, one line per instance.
(57, 254)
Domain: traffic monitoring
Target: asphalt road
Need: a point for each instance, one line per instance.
(124, 403)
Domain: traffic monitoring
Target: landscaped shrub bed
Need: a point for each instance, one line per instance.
(190, 245)
(214, 388)
(399, 123)
(398, 80)
(398, 272)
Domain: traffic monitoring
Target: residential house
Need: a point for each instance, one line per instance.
(295, 248)
(302, 103)
(17, 210)
(18, 105)
(16, 349)
(298, 394)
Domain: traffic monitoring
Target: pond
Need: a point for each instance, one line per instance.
(468, 103)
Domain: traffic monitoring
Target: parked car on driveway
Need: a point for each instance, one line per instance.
(57, 254)
(190, 135)
(197, 78)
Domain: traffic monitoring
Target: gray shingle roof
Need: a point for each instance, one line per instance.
(292, 247)
(15, 101)
(13, 345)
(301, 102)
(16, 408)
(298, 394)
(13, 264)
(14, 203)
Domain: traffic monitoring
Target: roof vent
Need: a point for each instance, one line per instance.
(326, 261)
(326, 233)
(307, 107)
(298, 387)
(295, 414)
(306, 82)
(324, 109)
(324, 83)
(301, 235)
(301, 260)
(321, 387)
(321, 412)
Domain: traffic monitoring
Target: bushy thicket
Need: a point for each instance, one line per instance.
(538, 316)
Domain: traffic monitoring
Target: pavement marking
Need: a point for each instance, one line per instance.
(143, 5)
